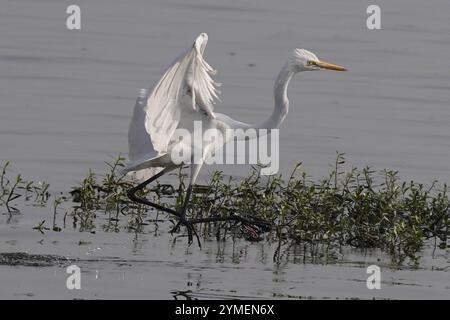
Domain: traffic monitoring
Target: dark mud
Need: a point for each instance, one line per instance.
(33, 260)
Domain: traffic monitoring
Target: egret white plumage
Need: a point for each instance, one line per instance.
(187, 93)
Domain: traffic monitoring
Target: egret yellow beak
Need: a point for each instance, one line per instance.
(329, 66)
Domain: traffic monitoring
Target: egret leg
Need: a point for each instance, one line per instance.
(133, 197)
(186, 200)
(195, 169)
(183, 220)
(182, 216)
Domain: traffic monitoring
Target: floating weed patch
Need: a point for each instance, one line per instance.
(361, 208)
(351, 207)
(107, 196)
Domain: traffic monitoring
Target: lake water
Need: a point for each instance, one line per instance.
(67, 97)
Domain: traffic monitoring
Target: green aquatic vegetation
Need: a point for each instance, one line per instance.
(360, 208)
(108, 196)
(56, 203)
(17, 187)
(41, 227)
(41, 193)
(351, 207)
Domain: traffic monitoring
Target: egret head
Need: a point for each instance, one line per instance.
(304, 60)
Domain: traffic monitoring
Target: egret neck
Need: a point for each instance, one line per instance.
(281, 107)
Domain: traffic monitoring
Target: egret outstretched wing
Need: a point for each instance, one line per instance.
(140, 144)
(189, 75)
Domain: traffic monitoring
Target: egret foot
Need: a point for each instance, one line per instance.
(190, 230)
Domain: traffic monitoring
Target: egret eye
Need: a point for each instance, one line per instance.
(310, 63)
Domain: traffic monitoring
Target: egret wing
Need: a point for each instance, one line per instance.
(189, 75)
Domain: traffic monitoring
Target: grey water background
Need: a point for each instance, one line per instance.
(67, 97)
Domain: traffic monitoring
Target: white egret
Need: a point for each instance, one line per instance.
(186, 93)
